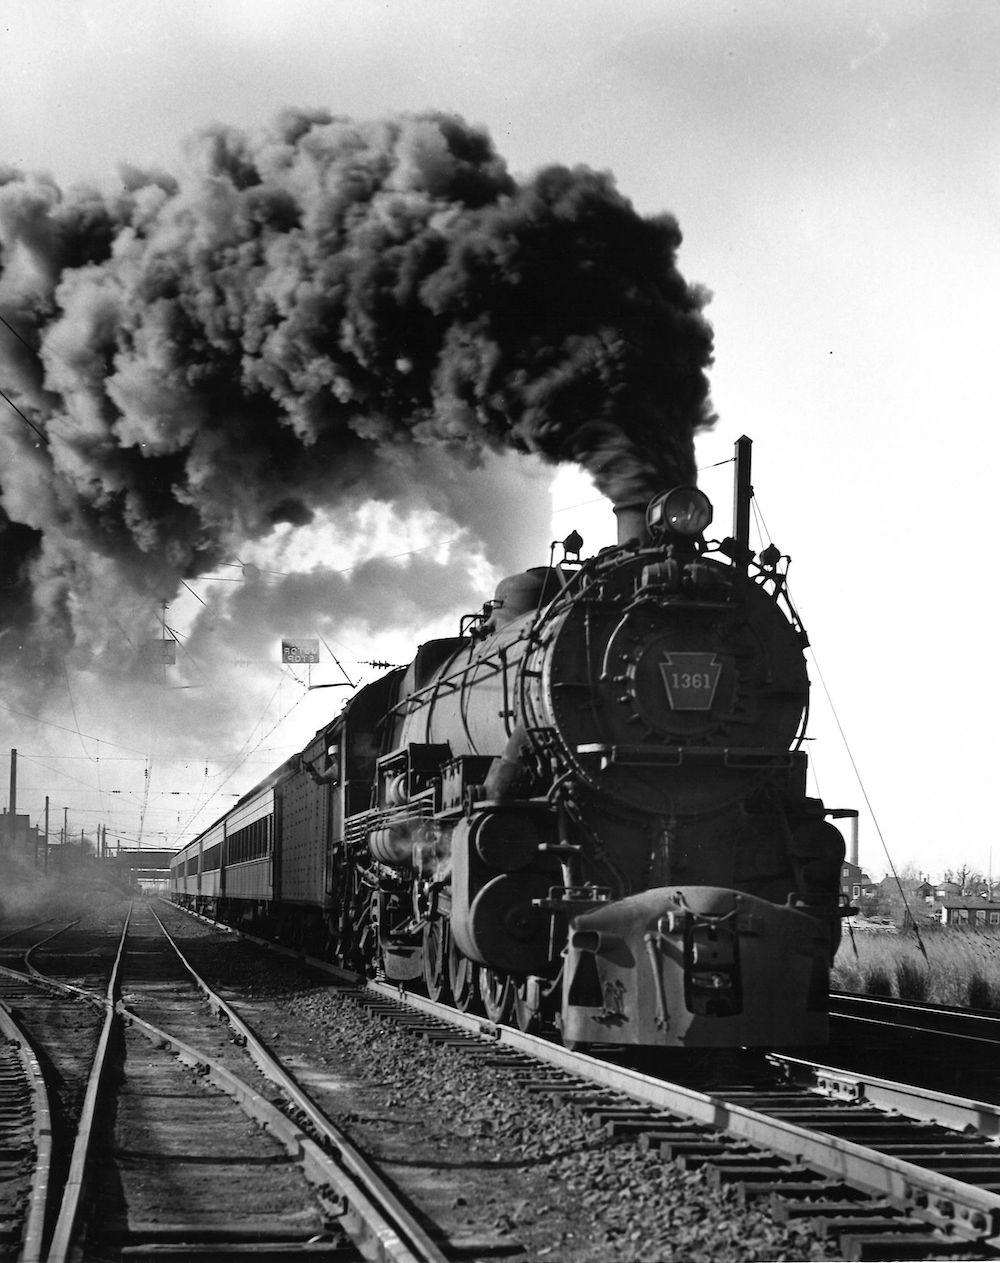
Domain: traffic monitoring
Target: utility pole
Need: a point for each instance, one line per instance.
(46, 851)
(163, 640)
(12, 809)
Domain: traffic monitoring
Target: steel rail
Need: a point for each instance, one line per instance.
(23, 929)
(362, 1218)
(65, 1233)
(377, 1229)
(381, 1215)
(32, 1238)
(42, 1190)
(958, 1113)
(49, 937)
(940, 1200)
(927, 1019)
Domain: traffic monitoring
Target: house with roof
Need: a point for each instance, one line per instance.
(855, 883)
(970, 911)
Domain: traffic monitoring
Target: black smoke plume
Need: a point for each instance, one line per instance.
(283, 325)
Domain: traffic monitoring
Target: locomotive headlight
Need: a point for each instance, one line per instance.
(683, 511)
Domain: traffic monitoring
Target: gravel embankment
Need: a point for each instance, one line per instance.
(484, 1157)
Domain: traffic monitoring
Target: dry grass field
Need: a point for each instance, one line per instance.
(962, 966)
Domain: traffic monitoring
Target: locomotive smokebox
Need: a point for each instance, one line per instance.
(631, 516)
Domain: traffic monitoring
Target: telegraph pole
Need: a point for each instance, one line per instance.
(46, 852)
(12, 808)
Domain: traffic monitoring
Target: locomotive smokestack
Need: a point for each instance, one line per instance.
(631, 517)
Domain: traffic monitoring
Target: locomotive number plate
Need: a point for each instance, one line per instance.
(690, 680)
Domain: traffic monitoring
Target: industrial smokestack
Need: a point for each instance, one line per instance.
(850, 814)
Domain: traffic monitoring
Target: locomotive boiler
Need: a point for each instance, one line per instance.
(588, 810)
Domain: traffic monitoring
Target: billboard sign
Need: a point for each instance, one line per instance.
(299, 650)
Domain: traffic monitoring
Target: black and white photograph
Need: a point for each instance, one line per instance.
(498, 670)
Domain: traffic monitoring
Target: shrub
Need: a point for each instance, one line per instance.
(912, 981)
(957, 966)
(877, 980)
(982, 992)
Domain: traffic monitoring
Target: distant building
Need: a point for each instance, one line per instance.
(26, 835)
(147, 869)
(855, 882)
(970, 911)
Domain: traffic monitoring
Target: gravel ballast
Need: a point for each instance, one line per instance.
(485, 1158)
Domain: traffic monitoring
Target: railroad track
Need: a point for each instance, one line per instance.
(970, 1026)
(941, 1046)
(884, 1166)
(27, 1143)
(882, 1170)
(176, 1147)
(42, 1088)
(887, 1170)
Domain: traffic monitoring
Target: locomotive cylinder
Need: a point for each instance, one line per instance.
(393, 846)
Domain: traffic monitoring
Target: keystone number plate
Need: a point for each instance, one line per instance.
(690, 680)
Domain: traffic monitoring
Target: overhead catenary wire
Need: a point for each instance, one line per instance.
(868, 804)
(765, 534)
(27, 421)
(237, 762)
(7, 399)
(154, 770)
(47, 723)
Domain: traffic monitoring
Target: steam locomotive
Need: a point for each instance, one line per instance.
(586, 811)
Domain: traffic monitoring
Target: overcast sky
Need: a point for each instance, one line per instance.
(835, 170)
